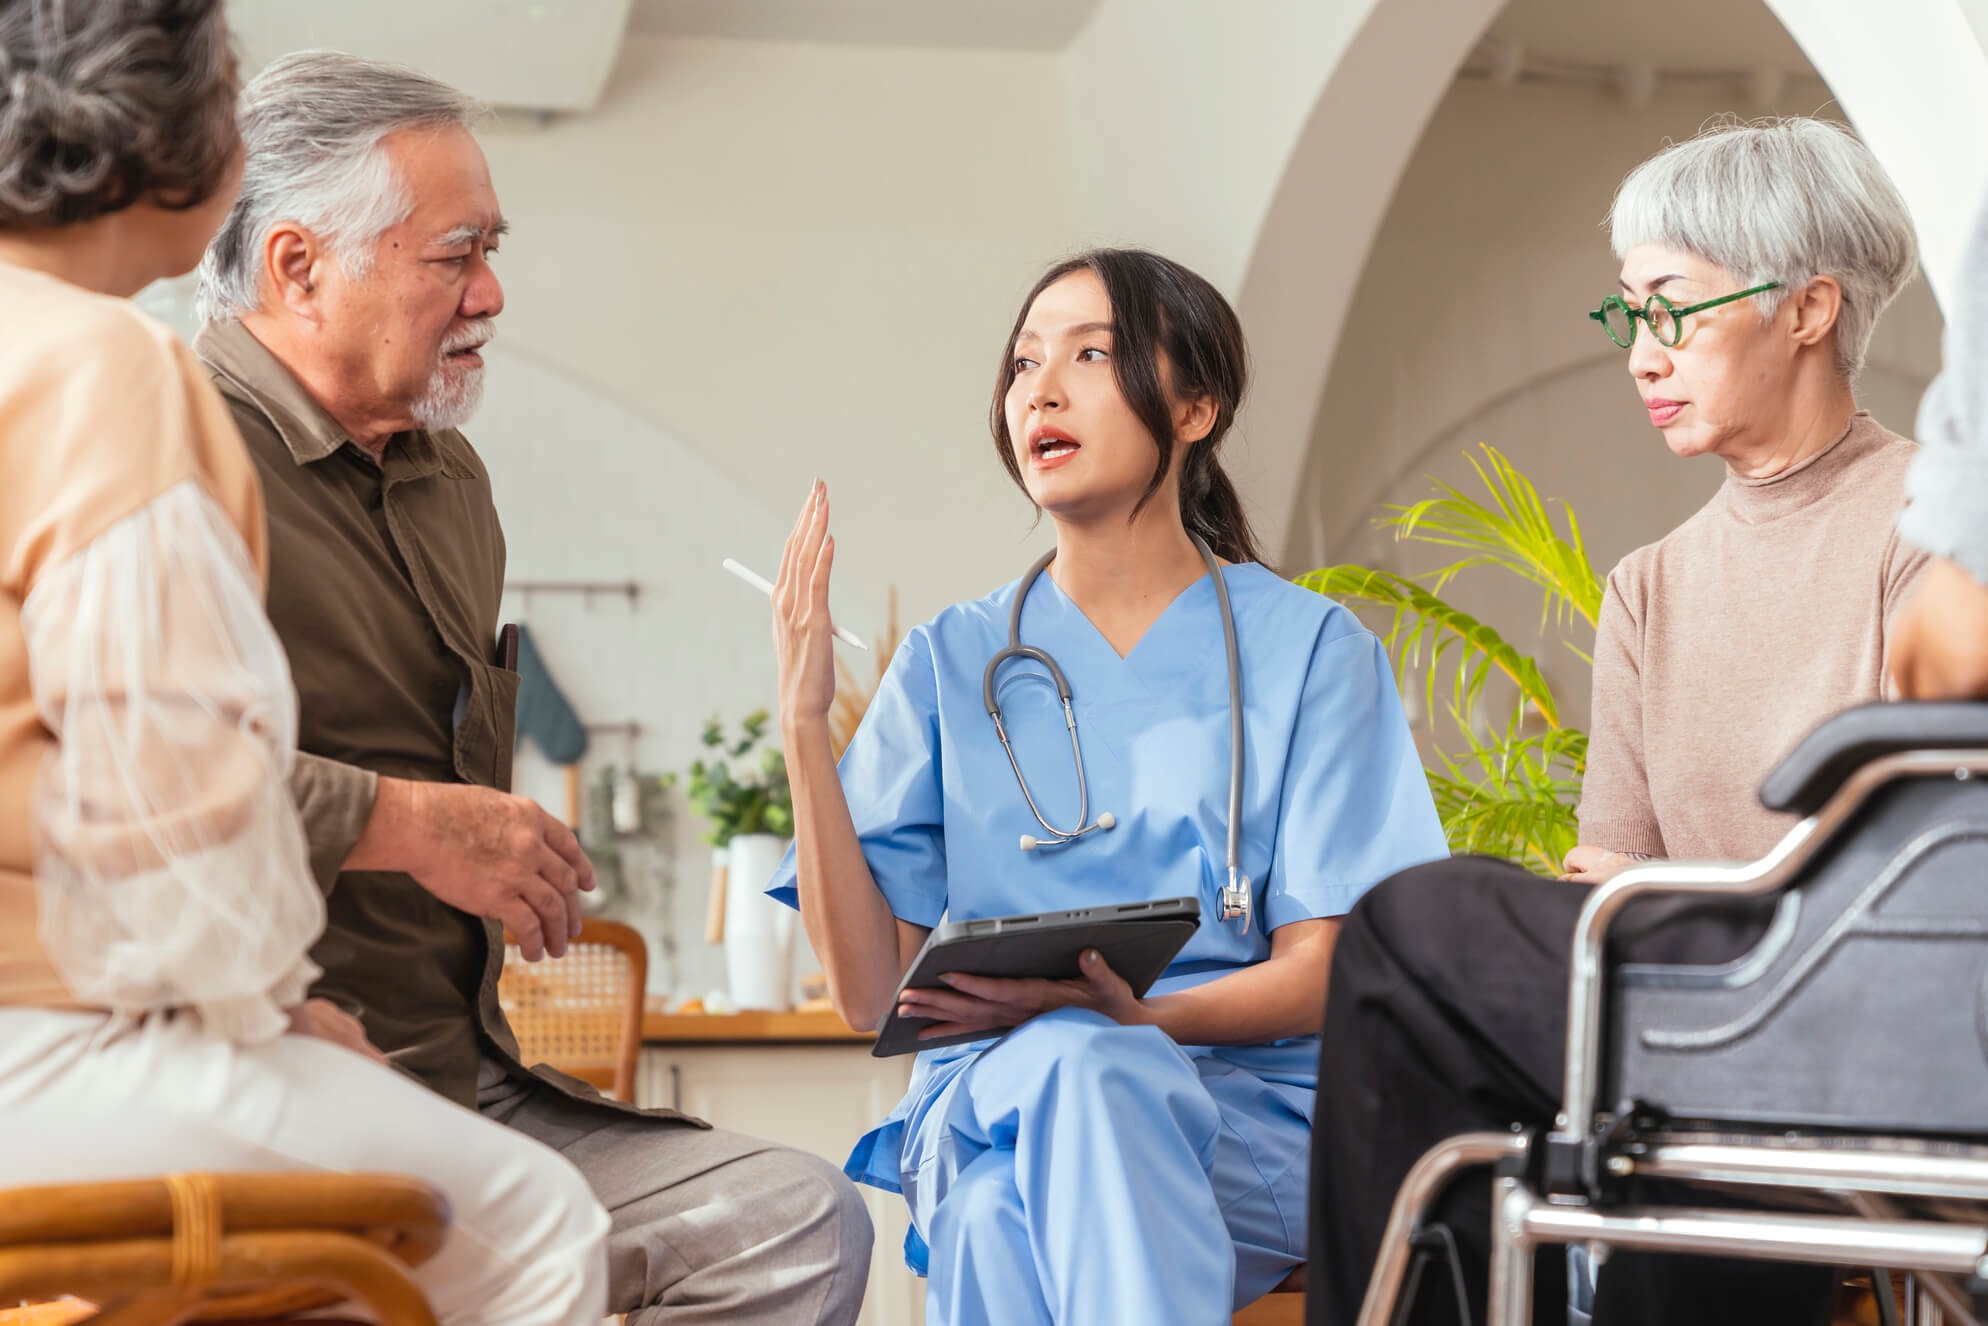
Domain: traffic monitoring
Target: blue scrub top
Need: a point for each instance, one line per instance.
(1334, 796)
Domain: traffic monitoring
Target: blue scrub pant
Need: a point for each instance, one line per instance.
(1085, 1173)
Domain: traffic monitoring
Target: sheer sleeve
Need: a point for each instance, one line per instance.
(171, 867)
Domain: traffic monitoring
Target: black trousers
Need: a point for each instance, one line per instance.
(1448, 1014)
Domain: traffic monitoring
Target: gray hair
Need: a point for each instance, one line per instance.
(1782, 200)
(107, 103)
(314, 124)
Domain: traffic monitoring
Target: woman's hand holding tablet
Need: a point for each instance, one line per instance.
(975, 979)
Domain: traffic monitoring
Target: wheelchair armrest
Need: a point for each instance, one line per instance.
(1814, 770)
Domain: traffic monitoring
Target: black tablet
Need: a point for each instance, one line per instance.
(1137, 939)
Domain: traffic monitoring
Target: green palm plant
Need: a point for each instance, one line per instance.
(1512, 787)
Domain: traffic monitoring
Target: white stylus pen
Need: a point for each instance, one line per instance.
(765, 587)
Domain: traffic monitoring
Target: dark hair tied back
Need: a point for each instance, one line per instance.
(106, 103)
(1162, 313)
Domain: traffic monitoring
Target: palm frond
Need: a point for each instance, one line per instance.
(1513, 795)
(1513, 530)
(1424, 623)
(1510, 790)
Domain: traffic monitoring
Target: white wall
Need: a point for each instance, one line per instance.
(1183, 116)
(1469, 325)
(590, 491)
(801, 261)
(802, 258)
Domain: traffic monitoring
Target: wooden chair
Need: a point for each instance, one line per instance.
(1282, 1306)
(581, 1014)
(237, 1247)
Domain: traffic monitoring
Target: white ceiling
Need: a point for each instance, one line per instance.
(1676, 34)
(1681, 35)
(539, 54)
(556, 54)
(1014, 25)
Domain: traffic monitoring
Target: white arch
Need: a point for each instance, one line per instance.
(1912, 78)
(1313, 241)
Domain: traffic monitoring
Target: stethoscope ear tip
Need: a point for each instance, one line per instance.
(1107, 821)
(1029, 843)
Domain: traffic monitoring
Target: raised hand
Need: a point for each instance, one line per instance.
(803, 634)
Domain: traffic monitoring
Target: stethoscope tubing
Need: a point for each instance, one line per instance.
(1236, 894)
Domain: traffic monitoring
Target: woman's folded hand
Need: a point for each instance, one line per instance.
(968, 1003)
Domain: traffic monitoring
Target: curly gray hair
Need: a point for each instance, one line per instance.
(107, 103)
(315, 124)
(1782, 200)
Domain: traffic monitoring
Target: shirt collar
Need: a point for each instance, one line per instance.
(306, 428)
(304, 425)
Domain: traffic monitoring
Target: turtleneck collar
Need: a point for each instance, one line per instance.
(1757, 501)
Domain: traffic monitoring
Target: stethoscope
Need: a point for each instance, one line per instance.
(1235, 899)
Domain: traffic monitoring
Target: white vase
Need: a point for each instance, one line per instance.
(759, 932)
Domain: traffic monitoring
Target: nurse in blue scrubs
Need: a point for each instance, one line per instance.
(1097, 1158)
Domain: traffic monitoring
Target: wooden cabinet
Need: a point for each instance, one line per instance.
(819, 1096)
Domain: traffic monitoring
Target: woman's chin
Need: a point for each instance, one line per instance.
(1688, 442)
(1068, 505)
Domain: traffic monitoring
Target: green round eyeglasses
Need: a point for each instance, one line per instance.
(1618, 316)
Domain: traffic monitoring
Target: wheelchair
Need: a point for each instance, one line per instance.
(1823, 1096)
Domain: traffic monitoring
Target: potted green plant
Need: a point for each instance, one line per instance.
(757, 801)
(741, 788)
(1510, 785)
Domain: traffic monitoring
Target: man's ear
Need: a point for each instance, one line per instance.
(1816, 307)
(1194, 419)
(293, 261)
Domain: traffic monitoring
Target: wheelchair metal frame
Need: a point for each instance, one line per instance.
(1546, 1187)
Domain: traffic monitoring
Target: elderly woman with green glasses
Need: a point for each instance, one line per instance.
(1755, 262)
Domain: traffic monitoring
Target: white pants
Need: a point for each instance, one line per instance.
(85, 1097)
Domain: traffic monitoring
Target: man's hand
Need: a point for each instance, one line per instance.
(484, 852)
(995, 1003)
(1939, 640)
(323, 1020)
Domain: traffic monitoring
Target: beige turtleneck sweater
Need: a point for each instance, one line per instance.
(1726, 642)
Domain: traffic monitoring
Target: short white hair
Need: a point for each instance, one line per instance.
(313, 126)
(1783, 200)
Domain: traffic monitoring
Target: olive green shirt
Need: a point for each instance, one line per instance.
(385, 581)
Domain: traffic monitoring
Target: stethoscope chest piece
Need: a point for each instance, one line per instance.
(1235, 901)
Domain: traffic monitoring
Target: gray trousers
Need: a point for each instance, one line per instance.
(708, 1226)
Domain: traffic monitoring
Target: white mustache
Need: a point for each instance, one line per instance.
(473, 336)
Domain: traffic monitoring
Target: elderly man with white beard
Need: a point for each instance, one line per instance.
(346, 299)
